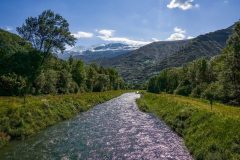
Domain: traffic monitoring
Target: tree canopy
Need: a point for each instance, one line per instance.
(48, 33)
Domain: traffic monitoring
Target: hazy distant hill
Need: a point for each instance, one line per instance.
(137, 66)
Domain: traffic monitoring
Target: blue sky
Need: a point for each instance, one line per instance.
(130, 21)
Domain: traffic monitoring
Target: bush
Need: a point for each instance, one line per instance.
(198, 90)
(183, 90)
(46, 82)
(12, 84)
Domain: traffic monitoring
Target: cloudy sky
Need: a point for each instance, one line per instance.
(136, 22)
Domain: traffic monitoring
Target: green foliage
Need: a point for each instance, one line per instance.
(78, 72)
(231, 67)
(217, 79)
(183, 90)
(166, 81)
(46, 82)
(22, 72)
(11, 43)
(102, 83)
(208, 134)
(64, 82)
(12, 84)
(49, 32)
(21, 63)
(153, 86)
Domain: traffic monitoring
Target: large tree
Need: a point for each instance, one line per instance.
(49, 33)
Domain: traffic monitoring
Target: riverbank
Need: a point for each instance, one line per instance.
(208, 134)
(19, 120)
(115, 129)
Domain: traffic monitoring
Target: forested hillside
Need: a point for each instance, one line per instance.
(139, 65)
(32, 68)
(214, 79)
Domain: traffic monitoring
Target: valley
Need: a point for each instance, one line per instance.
(137, 66)
(154, 80)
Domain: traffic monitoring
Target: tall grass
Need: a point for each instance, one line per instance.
(19, 119)
(208, 134)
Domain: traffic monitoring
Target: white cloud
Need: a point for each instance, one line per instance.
(106, 32)
(80, 35)
(176, 37)
(179, 34)
(179, 30)
(182, 4)
(108, 35)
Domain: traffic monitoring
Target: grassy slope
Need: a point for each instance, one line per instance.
(208, 134)
(18, 120)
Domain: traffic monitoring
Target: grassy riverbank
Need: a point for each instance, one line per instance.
(208, 134)
(19, 119)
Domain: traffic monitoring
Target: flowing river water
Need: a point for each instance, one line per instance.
(113, 130)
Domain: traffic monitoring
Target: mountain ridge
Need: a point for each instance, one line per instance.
(139, 65)
(97, 52)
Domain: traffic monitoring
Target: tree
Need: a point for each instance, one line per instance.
(91, 78)
(114, 80)
(231, 67)
(102, 83)
(64, 82)
(202, 74)
(153, 85)
(46, 82)
(49, 33)
(78, 73)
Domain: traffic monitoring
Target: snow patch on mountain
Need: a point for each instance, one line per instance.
(103, 49)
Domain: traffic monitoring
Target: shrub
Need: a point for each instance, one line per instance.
(12, 84)
(183, 90)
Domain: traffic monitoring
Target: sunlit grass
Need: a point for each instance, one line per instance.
(226, 110)
(19, 119)
(208, 134)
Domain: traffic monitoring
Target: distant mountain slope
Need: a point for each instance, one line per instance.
(95, 53)
(139, 65)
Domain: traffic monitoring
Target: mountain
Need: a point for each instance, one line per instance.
(96, 53)
(139, 65)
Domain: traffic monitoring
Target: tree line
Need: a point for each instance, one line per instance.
(215, 79)
(28, 64)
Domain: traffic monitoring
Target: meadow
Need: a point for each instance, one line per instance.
(208, 133)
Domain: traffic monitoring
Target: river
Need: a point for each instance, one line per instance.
(115, 129)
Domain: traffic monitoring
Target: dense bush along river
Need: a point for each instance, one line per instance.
(113, 130)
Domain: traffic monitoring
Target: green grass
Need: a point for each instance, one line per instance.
(208, 134)
(19, 120)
